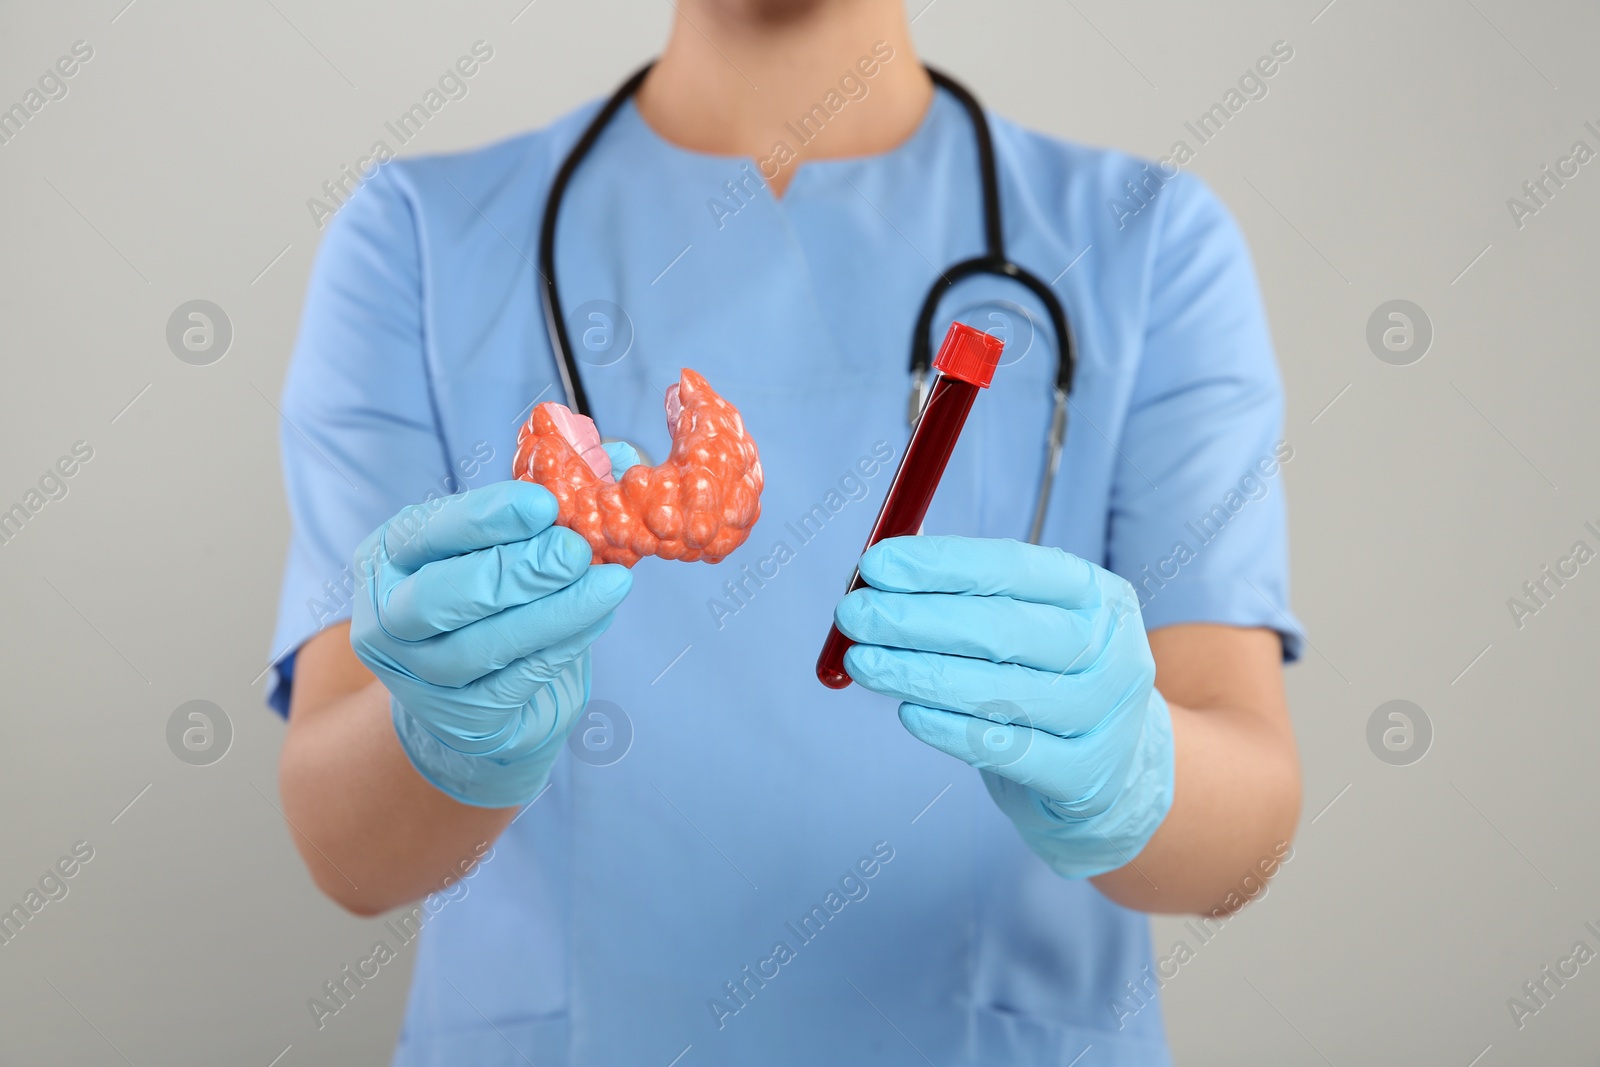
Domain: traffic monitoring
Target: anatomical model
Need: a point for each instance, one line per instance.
(698, 505)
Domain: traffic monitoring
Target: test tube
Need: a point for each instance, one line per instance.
(965, 363)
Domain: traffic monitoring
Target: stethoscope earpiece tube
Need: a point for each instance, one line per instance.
(1052, 463)
(919, 396)
(555, 321)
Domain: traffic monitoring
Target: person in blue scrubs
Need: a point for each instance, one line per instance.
(639, 829)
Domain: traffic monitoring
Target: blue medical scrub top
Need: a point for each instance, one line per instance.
(775, 873)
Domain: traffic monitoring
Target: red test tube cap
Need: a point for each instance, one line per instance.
(968, 354)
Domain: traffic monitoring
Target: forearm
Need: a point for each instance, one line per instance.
(1235, 801)
(372, 832)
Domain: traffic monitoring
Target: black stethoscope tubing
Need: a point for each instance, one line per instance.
(994, 262)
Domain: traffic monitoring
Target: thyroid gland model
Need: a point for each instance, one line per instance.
(698, 505)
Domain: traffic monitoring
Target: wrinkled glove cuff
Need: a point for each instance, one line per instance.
(507, 777)
(1078, 847)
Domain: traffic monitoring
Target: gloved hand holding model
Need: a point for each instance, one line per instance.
(1033, 666)
(477, 615)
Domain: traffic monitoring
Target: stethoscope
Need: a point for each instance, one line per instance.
(993, 261)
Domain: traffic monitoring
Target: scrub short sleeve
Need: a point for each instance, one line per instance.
(359, 437)
(1197, 519)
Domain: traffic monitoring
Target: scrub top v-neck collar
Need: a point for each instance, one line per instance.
(808, 173)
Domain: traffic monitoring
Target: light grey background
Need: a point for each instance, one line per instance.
(1419, 897)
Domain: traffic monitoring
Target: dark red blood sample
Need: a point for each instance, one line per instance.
(966, 362)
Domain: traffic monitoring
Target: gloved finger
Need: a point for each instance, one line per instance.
(1080, 774)
(1002, 692)
(497, 514)
(983, 565)
(623, 455)
(462, 656)
(995, 628)
(514, 684)
(447, 594)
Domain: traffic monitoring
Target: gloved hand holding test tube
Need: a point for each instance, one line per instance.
(1024, 661)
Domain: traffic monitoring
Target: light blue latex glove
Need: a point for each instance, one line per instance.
(1031, 665)
(477, 614)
